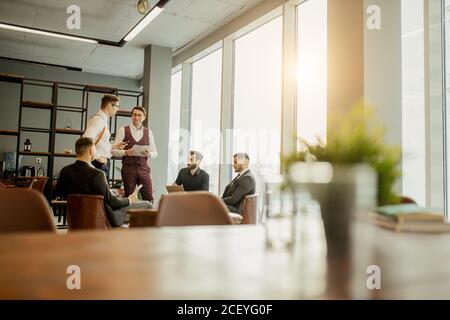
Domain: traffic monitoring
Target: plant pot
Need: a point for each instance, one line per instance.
(341, 191)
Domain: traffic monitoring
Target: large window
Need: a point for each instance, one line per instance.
(257, 98)
(312, 70)
(174, 127)
(413, 100)
(205, 113)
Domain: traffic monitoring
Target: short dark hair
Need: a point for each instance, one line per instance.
(140, 109)
(242, 155)
(107, 98)
(198, 155)
(82, 145)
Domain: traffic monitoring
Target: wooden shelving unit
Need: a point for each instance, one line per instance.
(69, 131)
(4, 77)
(9, 132)
(54, 108)
(33, 153)
(65, 155)
(37, 105)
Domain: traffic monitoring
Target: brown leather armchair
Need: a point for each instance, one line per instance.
(39, 184)
(192, 209)
(24, 210)
(249, 212)
(86, 212)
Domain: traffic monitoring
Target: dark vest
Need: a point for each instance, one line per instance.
(145, 141)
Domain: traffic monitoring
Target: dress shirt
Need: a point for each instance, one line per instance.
(94, 128)
(240, 174)
(193, 182)
(137, 135)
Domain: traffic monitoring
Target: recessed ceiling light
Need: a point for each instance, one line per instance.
(45, 33)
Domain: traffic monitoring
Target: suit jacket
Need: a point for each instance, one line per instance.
(82, 178)
(235, 192)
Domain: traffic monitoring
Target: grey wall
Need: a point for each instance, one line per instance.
(9, 107)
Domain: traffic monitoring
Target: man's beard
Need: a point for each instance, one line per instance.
(192, 166)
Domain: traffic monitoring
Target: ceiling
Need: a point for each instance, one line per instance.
(182, 22)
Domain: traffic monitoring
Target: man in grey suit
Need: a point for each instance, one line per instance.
(242, 185)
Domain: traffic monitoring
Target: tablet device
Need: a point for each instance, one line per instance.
(174, 188)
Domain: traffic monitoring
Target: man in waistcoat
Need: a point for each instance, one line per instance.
(140, 145)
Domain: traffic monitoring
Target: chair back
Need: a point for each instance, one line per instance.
(249, 209)
(86, 212)
(192, 209)
(39, 184)
(24, 210)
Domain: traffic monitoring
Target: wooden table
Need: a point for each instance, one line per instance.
(226, 262)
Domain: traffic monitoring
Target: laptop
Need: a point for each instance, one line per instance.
(174, 188)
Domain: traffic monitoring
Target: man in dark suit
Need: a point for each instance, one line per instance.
(242, 185)
(82, 177)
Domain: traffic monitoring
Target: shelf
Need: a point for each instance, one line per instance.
(10, 78)
(31, 177)
(65, 155)
(123, 113)
(40, 130)
(36, 105)
(28, 153)
(69, 131)
(100, 89)
(71, 109)
(9, 132)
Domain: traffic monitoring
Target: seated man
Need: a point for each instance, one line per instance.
(242, 185)
(192, 177)
(82, 177)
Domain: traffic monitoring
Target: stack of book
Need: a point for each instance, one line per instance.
(409, 218)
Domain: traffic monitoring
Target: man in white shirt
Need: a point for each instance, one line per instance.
(135, 168)
(97, 130)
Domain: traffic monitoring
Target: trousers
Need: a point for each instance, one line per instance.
(134, 175)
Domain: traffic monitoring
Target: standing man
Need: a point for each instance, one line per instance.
(192, 178)
(97, 130)
(242, 185)
(135, 168)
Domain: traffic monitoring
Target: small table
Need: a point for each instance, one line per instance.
(142, 217)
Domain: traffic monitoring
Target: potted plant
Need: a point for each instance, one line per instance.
(354, 169)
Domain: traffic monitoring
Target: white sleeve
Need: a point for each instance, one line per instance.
(153, 151)
(93, 128)
(120, 135)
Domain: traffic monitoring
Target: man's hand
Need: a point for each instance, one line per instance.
(147, 152)
(102, 160)
(133, 197)
(129, 152)
(119, 145)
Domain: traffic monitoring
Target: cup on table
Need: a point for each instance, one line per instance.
(279, 214)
